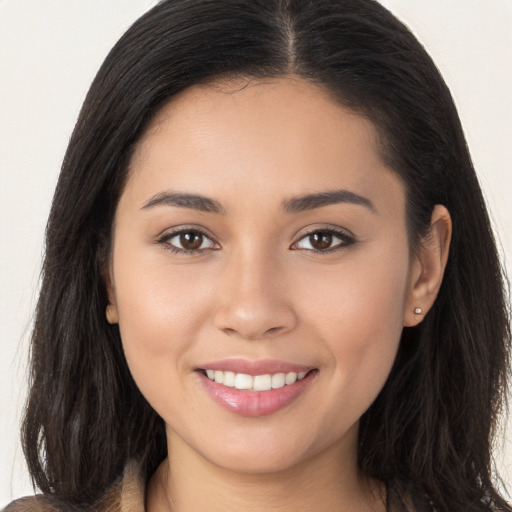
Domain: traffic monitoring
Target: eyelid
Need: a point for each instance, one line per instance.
(347, 238)
(164, 237)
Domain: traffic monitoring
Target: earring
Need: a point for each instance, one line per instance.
(418, 311)
(111, 314)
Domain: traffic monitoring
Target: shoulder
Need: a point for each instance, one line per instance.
(34, 504)
(124, 495)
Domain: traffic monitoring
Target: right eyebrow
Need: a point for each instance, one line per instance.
(183, 200)
(318, 200)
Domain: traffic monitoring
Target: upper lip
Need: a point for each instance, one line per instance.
(261, 367)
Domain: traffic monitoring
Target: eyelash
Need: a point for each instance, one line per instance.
(164, 240)
(346, 241)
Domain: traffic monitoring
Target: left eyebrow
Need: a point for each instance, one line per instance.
(183, 200)
(312, 201)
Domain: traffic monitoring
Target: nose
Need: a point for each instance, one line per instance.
(254, 301)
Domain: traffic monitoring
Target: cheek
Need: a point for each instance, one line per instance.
(161, 310)
(367, 293)
(358, 312)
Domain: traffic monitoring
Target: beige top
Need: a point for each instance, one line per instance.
(127, 495)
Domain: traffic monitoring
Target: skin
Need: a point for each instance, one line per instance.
(259, 291)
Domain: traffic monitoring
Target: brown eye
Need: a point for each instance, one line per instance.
(187, 241)
(191, 240)
(320, 240)
(325, 241)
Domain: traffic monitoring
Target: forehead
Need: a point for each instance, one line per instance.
(262, 138)
(257, 107)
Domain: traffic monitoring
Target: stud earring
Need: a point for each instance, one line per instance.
(111, 314)
(418, 311)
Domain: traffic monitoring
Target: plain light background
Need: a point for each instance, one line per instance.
(50, 51)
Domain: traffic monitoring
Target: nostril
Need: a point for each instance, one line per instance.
(274, 330)
(255, 319)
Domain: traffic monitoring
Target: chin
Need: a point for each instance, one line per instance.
(270, 450)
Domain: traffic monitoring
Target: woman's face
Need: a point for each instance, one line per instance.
(260, 242)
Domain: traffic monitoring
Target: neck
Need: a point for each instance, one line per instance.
(328, 481)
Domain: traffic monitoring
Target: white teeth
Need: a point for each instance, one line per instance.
(229, 379)
(262, 382)
(278, 380)
(243, 381)
(256, 383)
(290, 378)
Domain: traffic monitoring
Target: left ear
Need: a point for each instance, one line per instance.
(428, 266)
(111, 310)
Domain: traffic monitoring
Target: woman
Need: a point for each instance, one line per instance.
(270, 279)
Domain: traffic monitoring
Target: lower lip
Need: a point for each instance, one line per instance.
(255, 403)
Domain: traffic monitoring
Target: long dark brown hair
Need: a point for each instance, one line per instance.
(432, 425)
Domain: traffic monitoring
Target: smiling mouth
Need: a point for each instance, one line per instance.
(252, 392)
(243, 381)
